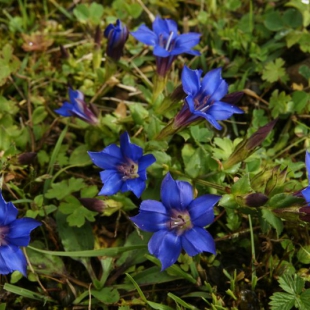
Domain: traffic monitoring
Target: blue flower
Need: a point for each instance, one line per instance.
(117, 37)
(166, 41)
(306, 192)
(177, 222)
(77, 108)
(205, 98)
(125, 167)
(14, 233)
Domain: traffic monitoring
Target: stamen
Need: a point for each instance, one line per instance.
(169, 41)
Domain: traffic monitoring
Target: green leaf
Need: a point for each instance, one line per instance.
(305, 300)
(282, 301)
(181, 302)
(138, 113)
(81, 12)
(292, 18)
(107, 295)
(303, 254)
(279, 103)
(79, 156)
(304, 70)
(39, 114)
(275, 71)
(95, 13)
(27, 293)
(73, 238)
(45, 263)
(137, 256)
(64, 188)
(242, 186)
(291, 284)
(300, 98)
(273, 220)
(304, 42)
(273, 21)
(77, 213)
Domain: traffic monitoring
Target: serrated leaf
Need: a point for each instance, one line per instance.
(77, 213)
(282, 301)
(79, 156)
(305, 300)
(242, 186)
(275, 71)
(279, 103)
(64, 188)
(291, 284)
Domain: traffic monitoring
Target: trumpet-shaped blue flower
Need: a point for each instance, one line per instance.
(77, 107)
(177, 222)
(117, 36)
(125, 167)
(306, 192)
(14, 233)
(205, 98)
(167, 42)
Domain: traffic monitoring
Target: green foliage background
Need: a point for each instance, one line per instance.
(99, 260)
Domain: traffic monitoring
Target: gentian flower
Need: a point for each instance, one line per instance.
(117, 37)
(306, 191)
(204, 98)
(125, 167)
(177, 222)
(167, 43)
(77, 107)
(14, 233)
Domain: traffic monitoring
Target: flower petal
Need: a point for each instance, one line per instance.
(3, 267)
(175, 194)
(8, 211)
(166, 246)
(14, 259)
(137, 186)
(191, 81)
(211, 81)
(164, 26)
(65, 110)
(197, 240)
(145, 35)
(161, 52)
(221, 110)
(109, 158)
(19, 234)
(151, 221)
(130, 150)
(306, 193)
(197, 114)
(75, 94)
(184, 42)
(201, 210)
(220, 92)
(112, 182)
(146, 161)
(153, 206)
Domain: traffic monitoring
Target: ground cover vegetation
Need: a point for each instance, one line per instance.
(154, 154)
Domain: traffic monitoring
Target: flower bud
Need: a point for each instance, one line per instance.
(117, 37)
(246, 147)
(256, 200)
(93, 204)
(27, 158)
